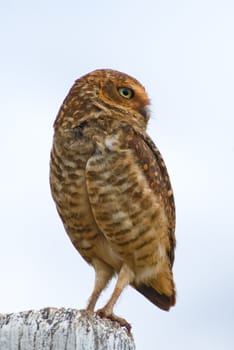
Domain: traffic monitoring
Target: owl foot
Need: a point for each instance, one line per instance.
(123, 323)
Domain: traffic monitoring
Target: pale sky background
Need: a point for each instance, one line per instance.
(183, 53)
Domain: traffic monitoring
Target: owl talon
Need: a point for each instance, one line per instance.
(122, 322)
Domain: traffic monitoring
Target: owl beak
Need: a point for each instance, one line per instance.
(145, 112)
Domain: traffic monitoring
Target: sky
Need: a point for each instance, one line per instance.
(183, 53)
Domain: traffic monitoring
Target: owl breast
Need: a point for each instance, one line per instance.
(104, 200)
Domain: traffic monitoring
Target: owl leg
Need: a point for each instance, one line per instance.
(103, 274)
(125, 277)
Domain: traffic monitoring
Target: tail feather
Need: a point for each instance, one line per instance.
(163, 301)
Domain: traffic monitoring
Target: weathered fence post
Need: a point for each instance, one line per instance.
(61, 329)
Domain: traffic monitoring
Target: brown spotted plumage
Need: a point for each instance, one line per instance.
(112, 189)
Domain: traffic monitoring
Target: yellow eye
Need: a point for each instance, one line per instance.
(126, 92)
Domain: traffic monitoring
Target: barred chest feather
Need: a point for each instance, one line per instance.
(102, 195)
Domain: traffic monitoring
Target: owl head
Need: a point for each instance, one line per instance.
(106, 90)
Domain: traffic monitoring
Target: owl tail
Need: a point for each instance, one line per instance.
(163, 301)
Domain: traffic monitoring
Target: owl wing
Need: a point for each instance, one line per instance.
(154, 168)
(155, 171)
(113, 173)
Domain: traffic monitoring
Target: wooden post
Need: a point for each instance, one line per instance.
(61, 329)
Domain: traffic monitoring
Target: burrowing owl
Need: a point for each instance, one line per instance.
(112, 189)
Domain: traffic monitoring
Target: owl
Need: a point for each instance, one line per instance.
(112, 190)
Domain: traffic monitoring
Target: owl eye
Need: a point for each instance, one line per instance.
(126, 92)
